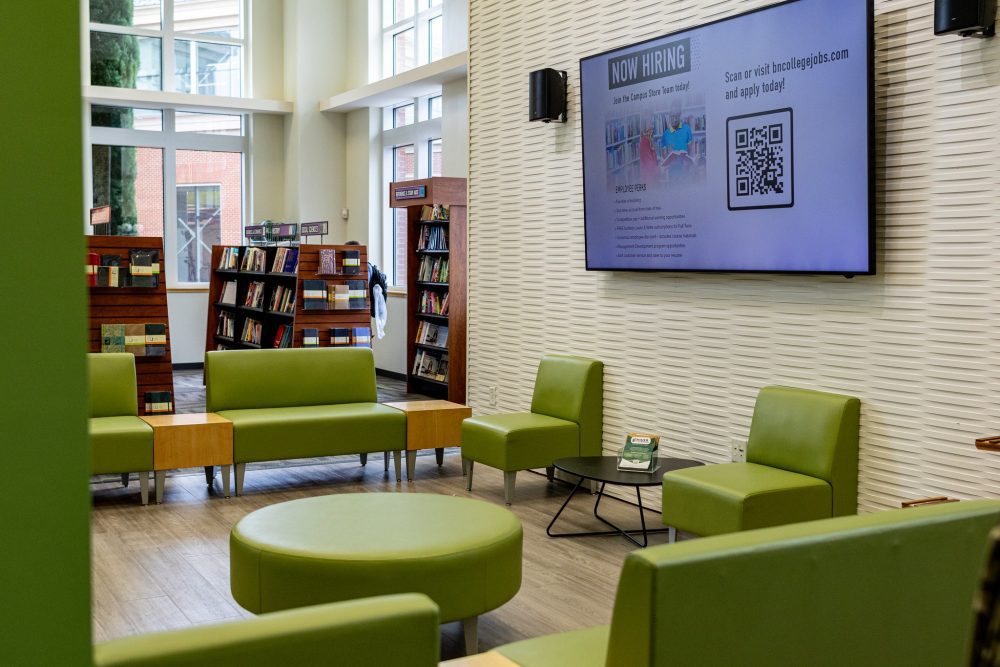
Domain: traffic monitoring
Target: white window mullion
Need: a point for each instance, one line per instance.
(167, 55)
(170, 197)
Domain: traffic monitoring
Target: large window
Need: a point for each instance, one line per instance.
(412, 34)
(188, 46)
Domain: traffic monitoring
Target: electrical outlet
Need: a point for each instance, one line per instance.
(493, 396)
(738, 450)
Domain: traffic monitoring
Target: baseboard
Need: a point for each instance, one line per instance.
(189, 367)
(390, 374)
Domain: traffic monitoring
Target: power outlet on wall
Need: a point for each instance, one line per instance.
(493, 396)
(738, 450)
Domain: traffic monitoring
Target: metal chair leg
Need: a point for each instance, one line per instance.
(550, 472)
(364, 459)
(508, 485)
(467, 471)
(241, 470)
(470, 628)
(397, 462)
(125, 479)
(144, 487)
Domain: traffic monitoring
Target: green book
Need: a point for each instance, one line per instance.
(639, 453)
(112, 338)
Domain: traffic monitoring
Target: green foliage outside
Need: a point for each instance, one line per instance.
(114, 61)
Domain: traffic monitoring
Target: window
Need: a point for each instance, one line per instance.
(404, 168)
(412, 34)
(403, 115)
(434, 157)
(188, 46)
(434, 107)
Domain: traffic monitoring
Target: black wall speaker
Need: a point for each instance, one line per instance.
(547, 96)
(965, 17)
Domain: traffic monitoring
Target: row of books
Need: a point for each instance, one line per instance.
(618, 130)
(350, 262)
(158, 402)
(283, 337)
(253, 259)
(340, 337)
(142, 340)
(429, 333)
(286, 260)
(251, 331)
(318, 295)
(433, 303)
(226, 325)
(255, 295)
(282, 300)
(230, 259)
(434, 212)
(228, 295)
(433, 237)
(430, 365)
(143, 269)
(433, 269)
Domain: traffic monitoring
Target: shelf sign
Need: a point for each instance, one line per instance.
(100, 215)
(254, 231)
(413, 192)
(290, 229)
(315, 228)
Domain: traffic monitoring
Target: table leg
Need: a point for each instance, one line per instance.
(159, 482)
(548, 531)
(411, 463)
(225, 480)
(439, 453)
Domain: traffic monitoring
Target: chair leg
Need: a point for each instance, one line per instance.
(508, 485)
(364, 459)
(439, 453)
(385, 455)
(225, 480)
(144, 487)
(125, 479)
(467, 469)
(159, 481)
(550, 472)
(672, 534)
(209, 475)
(397, 463)
(241, 469)
(470, 628)
(594, 486)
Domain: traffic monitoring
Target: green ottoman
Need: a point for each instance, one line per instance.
(464, 554)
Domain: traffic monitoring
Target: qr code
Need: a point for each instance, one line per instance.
(759, 160)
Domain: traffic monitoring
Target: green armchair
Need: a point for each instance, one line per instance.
(566, 418)
(802, 464)
(390, 630)
(120, 442)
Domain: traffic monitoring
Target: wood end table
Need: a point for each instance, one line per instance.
(434, 424)
(190, 441)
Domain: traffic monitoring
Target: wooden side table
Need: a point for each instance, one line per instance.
(431, 425)
(190, 441)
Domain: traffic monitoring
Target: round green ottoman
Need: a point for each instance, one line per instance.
(464, 554)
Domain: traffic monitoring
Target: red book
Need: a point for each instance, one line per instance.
(93, 261)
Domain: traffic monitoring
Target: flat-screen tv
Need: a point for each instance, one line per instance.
(745, 144)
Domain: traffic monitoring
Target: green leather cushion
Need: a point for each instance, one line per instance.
(724, 498)
(400, 630)
(579, 648)
(519, 441)
(120, 444)
(246, 379)
(111, 381)
(269, 434)
(561, 385)
(464, 554)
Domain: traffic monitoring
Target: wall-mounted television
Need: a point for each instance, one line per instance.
(745, 144)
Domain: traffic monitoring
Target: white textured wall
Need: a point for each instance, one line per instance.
(686, 354)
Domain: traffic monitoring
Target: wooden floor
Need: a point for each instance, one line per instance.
(167, 566)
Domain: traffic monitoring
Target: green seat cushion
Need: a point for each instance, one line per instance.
(580, 648)
(519, 441)
(729, 497)
(269, 434)
(120, 444)
(464, 554)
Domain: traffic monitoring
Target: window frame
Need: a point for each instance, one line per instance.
(419, 22)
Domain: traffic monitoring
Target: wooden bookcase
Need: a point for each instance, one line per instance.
(413, 196)
(132, 305)
(308, 264)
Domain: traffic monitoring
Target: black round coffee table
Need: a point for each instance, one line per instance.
(604, 469)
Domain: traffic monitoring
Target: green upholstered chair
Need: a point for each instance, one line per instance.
(887, 588)
(802, 464)
(566, 419)
(120, 442)
(391, 630)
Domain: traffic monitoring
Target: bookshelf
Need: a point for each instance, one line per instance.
(430, 244)
(273, 301)
(132, 305)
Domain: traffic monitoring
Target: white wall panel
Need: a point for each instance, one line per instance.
(685, 354)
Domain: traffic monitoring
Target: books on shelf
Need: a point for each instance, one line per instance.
(111, 273)
(361, 337)
(142, 340)
(158, 402)
(228, 296)
(282, 300)
(283, 336)
(156, 339)
(135, 339)
(253, 259)
(255, 295)
(340, 337)
(112, 338)
(327, 262)
(351, 261)
(230, 259)
(433, 269)
(429, 333)
(314, 295)
(286, 260)
(251, 331)
(341, 297)
(433, 303)
(144, 267)
(226, 325)
(93, 262)
(310, 337)
(357, 293)
(434, 213)
(433, 237)
(431, 365)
